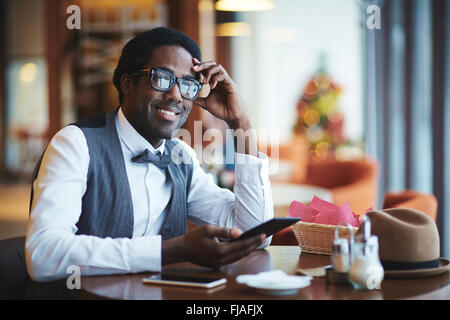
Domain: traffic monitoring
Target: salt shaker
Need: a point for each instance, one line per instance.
(366, 271)
(340, 257)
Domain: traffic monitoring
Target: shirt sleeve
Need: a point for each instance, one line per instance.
(247, 206)
(51, 241)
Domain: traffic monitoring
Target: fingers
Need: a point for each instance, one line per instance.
(206, 250)
(236, 250)
(235, 233)
(216, 78)
(213, 73)
(201, 66)
(213, 231)
(232, 251)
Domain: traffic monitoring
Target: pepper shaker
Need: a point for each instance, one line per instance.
(340, 257)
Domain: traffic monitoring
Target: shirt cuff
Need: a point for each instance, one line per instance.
(251, 168)
(146, 254)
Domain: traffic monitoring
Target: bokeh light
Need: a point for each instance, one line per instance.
(28, 72)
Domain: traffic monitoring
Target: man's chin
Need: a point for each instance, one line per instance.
(168, 133)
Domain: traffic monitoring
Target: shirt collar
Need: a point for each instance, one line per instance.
(132, 139)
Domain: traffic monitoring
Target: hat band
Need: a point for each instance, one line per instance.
(395, 265)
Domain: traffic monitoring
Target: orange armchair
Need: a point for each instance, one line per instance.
(295, 152)
(412, 199)
(353, 181)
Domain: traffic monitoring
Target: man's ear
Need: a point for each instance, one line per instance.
(126, 83)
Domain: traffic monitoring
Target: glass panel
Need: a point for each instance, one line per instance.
(421, 143)
(27, 113)
(396, 112)
(296, 42)
(446, 196)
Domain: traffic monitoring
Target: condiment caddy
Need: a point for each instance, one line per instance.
(355, 261)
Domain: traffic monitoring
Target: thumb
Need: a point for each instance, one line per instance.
(224, 233)
(235, 233)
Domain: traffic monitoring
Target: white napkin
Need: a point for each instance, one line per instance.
(274, 278)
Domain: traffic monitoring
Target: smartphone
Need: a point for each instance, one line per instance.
(182, 280)
(269, 227)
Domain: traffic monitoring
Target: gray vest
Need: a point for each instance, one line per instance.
(107, 207)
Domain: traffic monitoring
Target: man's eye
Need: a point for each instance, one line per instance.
(163, 82)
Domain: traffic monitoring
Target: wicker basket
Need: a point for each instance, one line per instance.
(318, 238)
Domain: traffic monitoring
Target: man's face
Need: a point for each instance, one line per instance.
(151, 111)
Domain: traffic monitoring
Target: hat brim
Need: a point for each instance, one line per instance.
(444, 265)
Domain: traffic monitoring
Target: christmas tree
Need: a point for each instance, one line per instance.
(318, 114)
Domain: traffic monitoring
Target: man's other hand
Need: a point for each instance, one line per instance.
(203, 247)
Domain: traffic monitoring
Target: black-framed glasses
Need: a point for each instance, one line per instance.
(163, 80)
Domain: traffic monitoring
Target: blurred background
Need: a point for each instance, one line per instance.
(353, 95)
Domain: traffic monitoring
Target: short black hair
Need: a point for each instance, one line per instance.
(137, 51)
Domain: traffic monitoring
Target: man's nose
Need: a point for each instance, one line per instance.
(174, 94)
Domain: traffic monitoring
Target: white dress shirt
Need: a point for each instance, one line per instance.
(52, 245)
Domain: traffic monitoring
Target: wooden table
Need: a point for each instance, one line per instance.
(285, 258)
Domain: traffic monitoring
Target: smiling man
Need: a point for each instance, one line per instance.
(106, 196)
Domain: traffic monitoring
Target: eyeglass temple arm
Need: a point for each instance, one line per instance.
(142, 71)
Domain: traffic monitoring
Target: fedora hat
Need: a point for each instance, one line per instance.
(408, 243)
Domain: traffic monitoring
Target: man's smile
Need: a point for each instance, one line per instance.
(167, 112)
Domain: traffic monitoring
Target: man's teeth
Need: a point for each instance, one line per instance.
(166, 112)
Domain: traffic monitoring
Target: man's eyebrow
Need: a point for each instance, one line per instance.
(173, 72)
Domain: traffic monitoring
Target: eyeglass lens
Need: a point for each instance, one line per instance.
(164, 80)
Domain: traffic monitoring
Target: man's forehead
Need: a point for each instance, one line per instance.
(173, 58)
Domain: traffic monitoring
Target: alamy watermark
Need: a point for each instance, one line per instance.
(74, 20)
(74, 279)
(214, 148)
(373, 21)
(375, 273)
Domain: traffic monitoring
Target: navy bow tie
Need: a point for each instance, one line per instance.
(161, 161)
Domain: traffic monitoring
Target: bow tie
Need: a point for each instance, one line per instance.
(161, 161)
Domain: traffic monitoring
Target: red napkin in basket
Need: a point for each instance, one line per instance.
(324, 212)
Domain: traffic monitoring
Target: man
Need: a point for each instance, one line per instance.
(107, 196)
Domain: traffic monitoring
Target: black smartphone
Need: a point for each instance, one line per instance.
(269, 227)
(182, 280)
